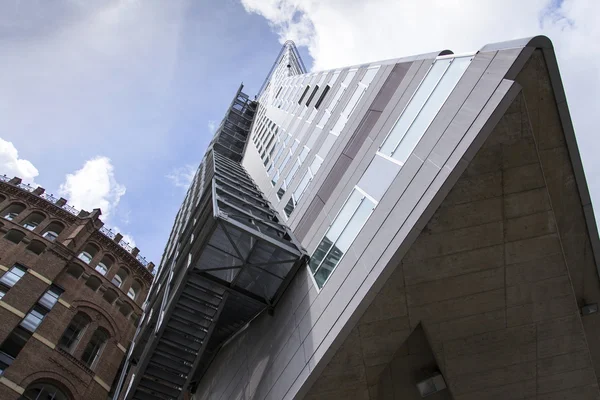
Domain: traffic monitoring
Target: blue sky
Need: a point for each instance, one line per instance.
(110, 102)
(138, 83)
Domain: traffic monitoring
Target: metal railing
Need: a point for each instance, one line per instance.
(72, 210)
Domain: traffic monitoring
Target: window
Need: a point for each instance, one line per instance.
(14, 236)
(50, 297)
(13, 211)
(75, 270)
(85, 257)
(33, 220)
(12, 346)
(50, 235)
(340, 235)
(94, 348)
(44, 391)
(325, 91)
(13, 275)
(303, 94)
(74, 331)
(34, 318)
(93, 282)
(104, 265)
(134, 290)
(52, 231)
(36, 247)
(120, 277)
(88, 253)
(433, 91)
(101, 268)
(312, 95)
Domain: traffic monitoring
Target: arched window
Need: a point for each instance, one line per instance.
(110, 296)
(125, 309)
(134, 290)
(93, 283)
(120, 277)
(104, 265)
(53, 230)
(44, 391)
(74, 331)
(11, 212)
(92, 351)
(33, 220)
(89, 251)
(14, 236)
(36, 247)
(75, 270)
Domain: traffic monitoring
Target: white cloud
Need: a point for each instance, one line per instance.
(212, 126)
(182, 177)
(12, 165)
(93, 186)
(344, 32)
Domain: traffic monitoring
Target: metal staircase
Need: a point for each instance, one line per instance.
(185, 334)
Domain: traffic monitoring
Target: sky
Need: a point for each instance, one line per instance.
(111, 103)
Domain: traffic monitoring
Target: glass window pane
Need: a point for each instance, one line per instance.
(414, 106)
(302, 186)
(49, 298)
(319, 254)
(12, 276)
(355, 225)
(343, 217)
(431, 108)
(342, 245)
(85, 257)
(378, 177)
(33, 319)
(101, 268)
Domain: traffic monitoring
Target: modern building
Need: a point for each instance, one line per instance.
(393, 230)
(70, 297)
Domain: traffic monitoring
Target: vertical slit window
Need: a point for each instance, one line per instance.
(303, 94)
(322, 97)
(312, 95)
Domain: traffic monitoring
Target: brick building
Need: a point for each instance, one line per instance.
(70, 297)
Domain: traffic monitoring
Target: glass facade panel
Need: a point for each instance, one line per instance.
(414, 106)
(431, 108)
(350, 230)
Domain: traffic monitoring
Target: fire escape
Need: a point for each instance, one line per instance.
(234, 260)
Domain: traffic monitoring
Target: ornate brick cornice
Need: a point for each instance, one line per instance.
(38, 202)
(115, 248)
